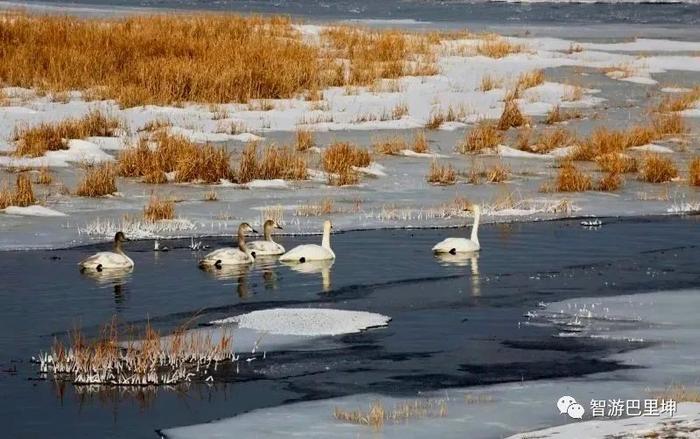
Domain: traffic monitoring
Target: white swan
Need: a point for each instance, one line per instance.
(268, 247)
(115, 259)
(231, 255)
(312, 252)
(462, 245)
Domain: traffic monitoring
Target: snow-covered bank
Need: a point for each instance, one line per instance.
(666, 319)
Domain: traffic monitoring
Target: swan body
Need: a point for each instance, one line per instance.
(462, 245)
(115, 259)
(312, 252)
(231, 255)
(266, 247)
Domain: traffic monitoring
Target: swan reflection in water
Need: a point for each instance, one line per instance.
(266, 264)
(112, 277)
(238, 273)
(463, 260)
(313, 267)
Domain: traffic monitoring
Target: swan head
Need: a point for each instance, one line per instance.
(271, 224)
(474, 208)
(120, 237)
(246, 228)
(327, 226)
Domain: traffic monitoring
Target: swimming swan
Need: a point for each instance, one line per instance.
(462, 245)
(268, 247)
(115, 259)
(312, 252)
(230, 255)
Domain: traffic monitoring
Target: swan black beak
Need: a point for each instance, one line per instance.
(279, 227)
(253, 230)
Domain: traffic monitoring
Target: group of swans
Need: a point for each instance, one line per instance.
(245, 253)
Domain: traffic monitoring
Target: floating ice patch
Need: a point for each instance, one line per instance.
(276, 183)
(374, 169)
(507, 151)
(32, 211)
(307, 321)
(246, 137)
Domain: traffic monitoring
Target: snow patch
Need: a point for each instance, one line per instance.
(34, 210)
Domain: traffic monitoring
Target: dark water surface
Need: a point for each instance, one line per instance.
(451, 11)
(453, 325)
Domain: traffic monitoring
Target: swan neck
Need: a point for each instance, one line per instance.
(326, 241)
(475, 227)
(267, 232)
(241, 241)
(118, 247)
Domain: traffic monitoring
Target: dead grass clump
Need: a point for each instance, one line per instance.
(161, 59)
(420, 143)
(304, 140)
(610, 182)
(98, 181)
(373, 54)
(616, 163)
(677, 393)
(668, 124)
(159, 209)
(390, 145)
(556, 115)
(682, 101)
(694, 172)
(44, 176)
(435, 120)
(34, 141)
(601, 141)
(511, 116)
(23, 194)
(485, 135)
(571, 179)
(489, 83)
(404, 411)
(211, 196)
(275, 162)
(497, 174)
(657, 169)
(530, 79)
(323, 207)
(174, 154)
(441, 174)
(497, 47)
(339, 161)
(546, 141)
(156, 124)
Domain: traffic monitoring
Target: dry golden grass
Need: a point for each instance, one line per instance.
(22, 195)
(497, 47)
(485, 135)
(497, 173)
(160, 59)
(373, 54)
(156, 124)
(420, 143)
(441, 174)
(677, 393)
(211, 196)
(571, 179)
(545, 142)
(189, 162)
(668, 125)
(556, 115)
(389, 145)
(511, 116)
(682, 101)
(159, 209)
(44, 176)
(657, 169)
(488, 83)
(435, 120)
(98, 181)
(530, 79)
(400, 110)
(304, 140)
(339, 161)
(275, 162)
(616, 163)
(323, 207)
(610, 182)
(377, 415)
(694, 172)
(34, 141)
